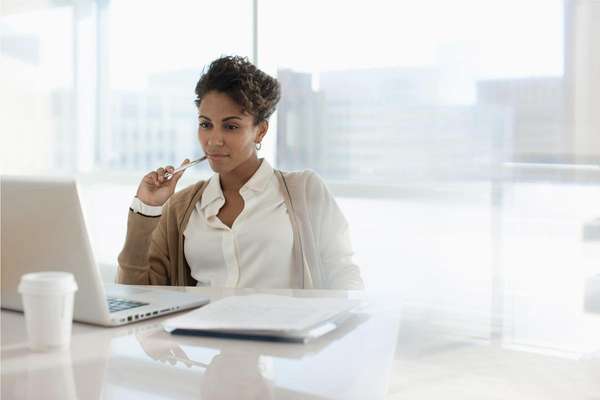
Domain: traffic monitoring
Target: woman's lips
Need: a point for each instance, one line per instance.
(217, 156)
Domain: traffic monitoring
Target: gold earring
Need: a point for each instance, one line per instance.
(258, 146)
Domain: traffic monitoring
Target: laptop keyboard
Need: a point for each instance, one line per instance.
(115, 304)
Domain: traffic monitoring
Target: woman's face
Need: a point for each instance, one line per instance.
(228, 136)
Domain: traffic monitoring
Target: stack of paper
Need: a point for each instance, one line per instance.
(267, 316)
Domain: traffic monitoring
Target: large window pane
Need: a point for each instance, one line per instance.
(461, 141)
(153, 55)
(104, 90)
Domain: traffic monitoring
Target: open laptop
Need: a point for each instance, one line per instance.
(43, 230)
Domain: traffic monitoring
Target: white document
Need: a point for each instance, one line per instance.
(262, 313)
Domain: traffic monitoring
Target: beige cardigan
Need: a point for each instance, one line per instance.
(153, 251)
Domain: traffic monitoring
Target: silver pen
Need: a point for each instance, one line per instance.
(169, 175)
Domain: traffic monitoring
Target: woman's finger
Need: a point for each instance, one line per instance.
(161, 174)
(169, 170)
(180, 173)
(148, 178)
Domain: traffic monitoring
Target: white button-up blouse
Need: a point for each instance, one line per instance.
(256, 251)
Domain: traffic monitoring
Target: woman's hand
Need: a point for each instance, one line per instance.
(155, 189)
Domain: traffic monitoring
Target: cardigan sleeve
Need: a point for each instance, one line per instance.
(144, 259)
(333, 238)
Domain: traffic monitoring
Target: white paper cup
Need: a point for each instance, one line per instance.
(48, 304)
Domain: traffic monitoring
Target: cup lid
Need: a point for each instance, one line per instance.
(47, 282)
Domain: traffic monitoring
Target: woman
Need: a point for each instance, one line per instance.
(248, 225)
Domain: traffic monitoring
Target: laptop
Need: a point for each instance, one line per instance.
(43, 229)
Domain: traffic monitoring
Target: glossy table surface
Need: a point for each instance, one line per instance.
(521, 346)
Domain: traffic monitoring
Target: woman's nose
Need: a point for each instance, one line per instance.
(215, 138)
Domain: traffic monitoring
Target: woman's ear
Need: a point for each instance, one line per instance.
(263, 127)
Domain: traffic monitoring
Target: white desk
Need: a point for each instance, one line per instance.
(396, 349)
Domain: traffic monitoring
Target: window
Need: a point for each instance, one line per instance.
(459, 136)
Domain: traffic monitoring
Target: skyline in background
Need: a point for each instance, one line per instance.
(362, 125)
(144, 116)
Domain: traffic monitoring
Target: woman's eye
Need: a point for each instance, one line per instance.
(231, 127)
(204, 125)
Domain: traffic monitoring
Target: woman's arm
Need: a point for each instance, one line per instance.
(144, 259)
(333, 238)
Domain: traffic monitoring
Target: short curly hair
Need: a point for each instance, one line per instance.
(255, 91)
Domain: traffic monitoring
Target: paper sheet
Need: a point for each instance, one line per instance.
(260, 312)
